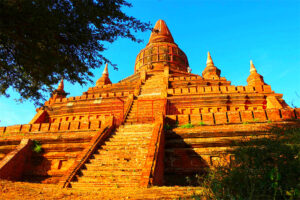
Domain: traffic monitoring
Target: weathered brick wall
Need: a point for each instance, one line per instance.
(188, 151)
(61, 144)
(13, 165)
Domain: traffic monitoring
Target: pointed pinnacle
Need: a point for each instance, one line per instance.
(252, 67)
(61, 85)
(209, 59)
(105, 71)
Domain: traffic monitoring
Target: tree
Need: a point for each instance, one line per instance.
(42, 41)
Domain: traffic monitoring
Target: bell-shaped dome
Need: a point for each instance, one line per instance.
(160, 51)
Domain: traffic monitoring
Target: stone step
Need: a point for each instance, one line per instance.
(124, 148)
(111, 168)
(98, 185)
(126, 139)
(141, 114)
(121, 151)
(144, 118)
(105, 173)
(138, 122)
(151, 89)
(115, 142)
(108, 155)
(132, 134)
(139, 130)
(121, 161)
(137, 126)
(111, 157)
(108, 179)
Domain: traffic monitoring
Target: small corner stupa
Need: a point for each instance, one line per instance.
(254, 77)
(211, 71)
(104, 79)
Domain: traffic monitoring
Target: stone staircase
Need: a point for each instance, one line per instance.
(142, 110)
(152, 86)
(119, 162)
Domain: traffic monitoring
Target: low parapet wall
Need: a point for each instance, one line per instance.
(50, 127)
(220, 89)
(233, 117)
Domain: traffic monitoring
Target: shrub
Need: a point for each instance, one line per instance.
(167, 127)
(37, 147)
(265, 168)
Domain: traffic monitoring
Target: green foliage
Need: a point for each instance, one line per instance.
(265, 168)
(255, 120)
(167, 127)
(42, 41)
(188, 180)
(37, 147)
(201, 123)
(245, 123)
(189, 125)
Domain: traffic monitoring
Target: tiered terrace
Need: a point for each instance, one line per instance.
(113, 136)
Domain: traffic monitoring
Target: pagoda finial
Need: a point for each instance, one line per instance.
(104, 79)
(209, 60)
(255, 78)
(59, 92)
(252, 67)
(105, 71)
(61, 85)
(161, 33)
(210, 71)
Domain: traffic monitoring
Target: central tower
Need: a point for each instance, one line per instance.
(161, 51)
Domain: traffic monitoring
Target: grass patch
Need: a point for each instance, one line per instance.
(201, 123)
(189, 125)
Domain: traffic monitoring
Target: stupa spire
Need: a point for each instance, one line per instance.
(209, 60)
(105, 71)
(104, 79)
(161, 33)
(61, 85)
(210, 71)
(59, 92)
(252, 67)
(255, 78)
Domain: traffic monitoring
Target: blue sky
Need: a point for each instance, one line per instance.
(268, 32)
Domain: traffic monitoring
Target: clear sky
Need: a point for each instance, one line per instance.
(266, 31)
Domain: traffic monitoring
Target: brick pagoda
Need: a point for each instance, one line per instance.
(128, 134)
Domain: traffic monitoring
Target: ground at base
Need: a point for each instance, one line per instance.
(21, 190)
